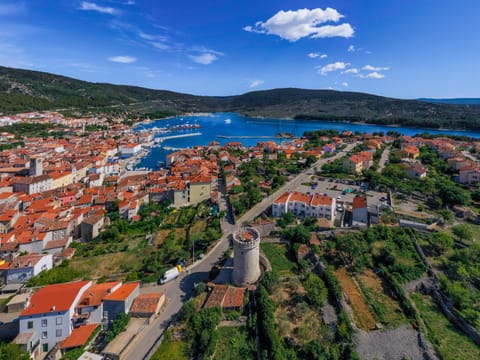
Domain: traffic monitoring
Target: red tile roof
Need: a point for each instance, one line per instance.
(359, 202)
(123, 292)
(58, 297)
(319, 199)
(283, 198)
(233, 297)
(94, 294)
(146, 303)
(78, 337)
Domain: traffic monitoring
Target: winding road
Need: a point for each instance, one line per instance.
(180, 290)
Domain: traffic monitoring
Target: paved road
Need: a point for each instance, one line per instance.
(180, 290)
(383, 159)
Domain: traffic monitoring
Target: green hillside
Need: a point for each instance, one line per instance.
(25, 90)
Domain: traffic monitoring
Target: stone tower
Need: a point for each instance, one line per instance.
(36, 166)
(246, 256)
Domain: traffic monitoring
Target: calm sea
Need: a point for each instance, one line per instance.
(229, 124)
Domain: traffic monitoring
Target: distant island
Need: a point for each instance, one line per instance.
(26, 90)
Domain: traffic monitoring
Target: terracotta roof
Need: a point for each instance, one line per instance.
(57, 297)
(216, 296)
(233, 297)
(300, 197)
(359, 202)
(94, 294)
(78, 337)
(319, 199)
(146, 303)
(282, 199)
(123, 292)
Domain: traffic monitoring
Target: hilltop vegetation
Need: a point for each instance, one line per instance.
(25, 90)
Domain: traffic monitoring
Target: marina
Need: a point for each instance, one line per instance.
(252, 130)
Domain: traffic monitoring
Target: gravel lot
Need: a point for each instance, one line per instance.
(394, 344)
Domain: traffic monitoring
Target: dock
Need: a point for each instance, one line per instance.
(253, 137)
(162, 139)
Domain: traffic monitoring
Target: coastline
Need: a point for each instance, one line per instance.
(363, 123)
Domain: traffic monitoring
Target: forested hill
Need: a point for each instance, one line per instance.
(25, 90)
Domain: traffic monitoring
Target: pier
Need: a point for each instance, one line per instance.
(254, 137)
(162, 139)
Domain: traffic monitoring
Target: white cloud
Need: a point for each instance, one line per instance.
(160, 45)
(344, 30)
(90, 6)
(351, 48)
(324, 70)
(255, 83)
(351, 71)
(122, 59)
(317, 55)
(372, 75)
(293, 25)
(345, 84)
(375, 68)
(146, 36)
(204, 59)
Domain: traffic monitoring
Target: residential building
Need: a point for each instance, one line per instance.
(120, 300)
(305, 205)
(359, 210)
(91, 226)
(33, 185)
(48, 318)
(24, 267)
(130, 149)
(469, 175)
(416, 171)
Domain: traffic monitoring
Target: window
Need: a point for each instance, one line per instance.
(44, 322)
(58, 332)
(59, 320)
(44, 334)
(45, 347)
(30, 325)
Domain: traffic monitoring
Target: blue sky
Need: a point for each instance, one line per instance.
(405, 49)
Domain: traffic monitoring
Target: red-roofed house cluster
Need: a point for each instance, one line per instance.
(63, 316)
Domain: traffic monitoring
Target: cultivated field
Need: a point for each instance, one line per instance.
(362, 315)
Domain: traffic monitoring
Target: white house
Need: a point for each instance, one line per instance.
(48, 317)
(322, 206)
(33, 184)
(305, 205)
(130, 149)
(24, 267)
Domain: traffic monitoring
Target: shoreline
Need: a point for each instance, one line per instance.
(360, 123)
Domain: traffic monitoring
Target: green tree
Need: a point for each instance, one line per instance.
(316, 291)
(463, 232)
(12, 351)
(442, 241)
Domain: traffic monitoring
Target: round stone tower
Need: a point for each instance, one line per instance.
(246, 256)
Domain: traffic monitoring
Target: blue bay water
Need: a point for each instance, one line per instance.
(211, 126)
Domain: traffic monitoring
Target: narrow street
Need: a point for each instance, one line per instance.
(384, 158)
(180, 290)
